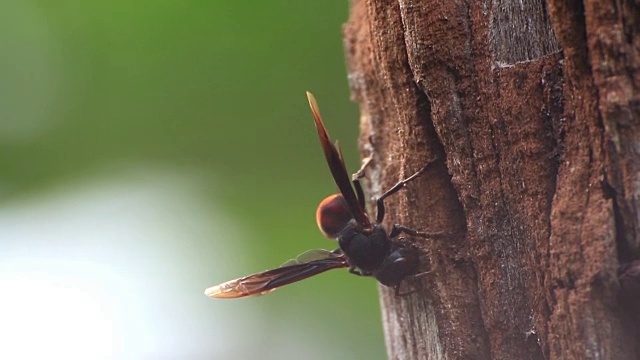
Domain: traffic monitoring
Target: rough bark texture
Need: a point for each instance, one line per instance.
(533, 110)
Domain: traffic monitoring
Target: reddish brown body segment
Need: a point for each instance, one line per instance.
(332, 215)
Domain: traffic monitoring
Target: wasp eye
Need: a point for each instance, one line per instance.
(333, 215)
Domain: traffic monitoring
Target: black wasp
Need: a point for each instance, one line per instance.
(365, 246)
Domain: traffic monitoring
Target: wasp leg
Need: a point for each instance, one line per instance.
(365, 164)
(415, 276)
(398, 229)
(355, 179)
(397, 290)
(394, 189)
(354, 271)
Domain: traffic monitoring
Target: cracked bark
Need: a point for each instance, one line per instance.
(533, 111)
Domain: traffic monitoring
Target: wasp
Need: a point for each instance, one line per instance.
(365, 246)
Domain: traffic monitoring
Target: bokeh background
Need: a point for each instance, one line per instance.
(150, 149)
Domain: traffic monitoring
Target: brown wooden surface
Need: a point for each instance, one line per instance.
(533, 109)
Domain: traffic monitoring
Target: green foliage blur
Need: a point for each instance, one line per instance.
(209, 90)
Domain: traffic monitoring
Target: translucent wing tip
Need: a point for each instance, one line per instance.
(226, 290)
(234, 289)
(312, 102)
(315, 110)
(215, 291)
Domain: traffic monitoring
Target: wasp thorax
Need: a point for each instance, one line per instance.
(333, 215)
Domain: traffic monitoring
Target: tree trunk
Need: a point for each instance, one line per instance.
(533, 112)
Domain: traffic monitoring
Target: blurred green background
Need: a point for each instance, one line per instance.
(151, 149)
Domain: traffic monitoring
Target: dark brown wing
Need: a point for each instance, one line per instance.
(337, 166)
(267, 281)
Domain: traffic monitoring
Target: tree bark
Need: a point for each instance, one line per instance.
(533, 112)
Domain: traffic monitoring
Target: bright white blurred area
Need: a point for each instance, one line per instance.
(115, 269)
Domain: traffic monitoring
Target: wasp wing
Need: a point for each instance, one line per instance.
(314, 254)
(267, 281)
(337, 166)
